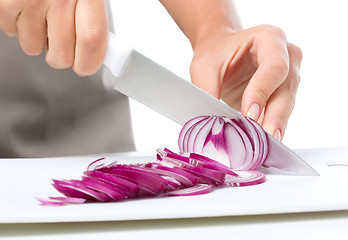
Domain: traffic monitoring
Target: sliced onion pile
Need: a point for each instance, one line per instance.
(240, 145)
(215, 151)
(171, 175)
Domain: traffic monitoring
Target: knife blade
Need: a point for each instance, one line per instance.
(156, 87)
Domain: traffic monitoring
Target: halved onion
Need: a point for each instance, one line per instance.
(240, 145)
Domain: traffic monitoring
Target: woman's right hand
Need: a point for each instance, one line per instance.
(73, 31)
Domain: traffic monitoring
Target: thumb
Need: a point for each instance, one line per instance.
(206, 76)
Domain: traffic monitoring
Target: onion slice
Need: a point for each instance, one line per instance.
(192, 160)
(103, 187)
(129, 188)
(246, 178)
(74, 189)
(197, 189)
(60, 201)
(149, 183)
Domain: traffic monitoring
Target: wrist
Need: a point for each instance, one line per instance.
(200, 19)
(201, 35)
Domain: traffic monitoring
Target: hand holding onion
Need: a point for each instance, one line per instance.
(255, 71)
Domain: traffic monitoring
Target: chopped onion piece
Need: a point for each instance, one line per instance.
(246, 178)
(103, 187)
(148, 183)
(60, 201)
(75, 189)
(198, 189)
(127, 187)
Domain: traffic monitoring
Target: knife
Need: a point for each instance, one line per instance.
(147, 82)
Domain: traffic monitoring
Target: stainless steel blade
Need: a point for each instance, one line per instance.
(179, 100)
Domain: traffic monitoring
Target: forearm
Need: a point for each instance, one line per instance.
(199, 18)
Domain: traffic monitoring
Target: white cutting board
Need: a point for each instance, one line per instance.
(21, 180)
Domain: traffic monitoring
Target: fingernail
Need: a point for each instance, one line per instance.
(254, 111)
(277, 134)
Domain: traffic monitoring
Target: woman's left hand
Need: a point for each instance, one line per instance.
(255, 71)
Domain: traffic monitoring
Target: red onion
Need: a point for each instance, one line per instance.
(238, 145)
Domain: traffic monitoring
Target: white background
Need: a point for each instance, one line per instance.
(318, 27)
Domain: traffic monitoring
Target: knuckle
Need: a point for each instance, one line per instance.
(198, 61)
(262, 96)
(92, 36)
(83, 67)
(50, 62)
(281, 67)
(295, 51)
(32, 51)
(31, 48)
(85, 71)
(9, 31)
(10, 8)
(61, 59)
(295, 84)
(292, 86)
(270, 29)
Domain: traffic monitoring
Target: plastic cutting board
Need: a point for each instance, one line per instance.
(21, 180)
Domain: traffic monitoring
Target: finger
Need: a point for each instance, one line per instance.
(91, 36)
(205, 75)
(61, 34)
(9, 11)
(273, 67)
(31, 26)
(281, 103)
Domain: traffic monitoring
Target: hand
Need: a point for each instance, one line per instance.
(75, 31)
(255, 71)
